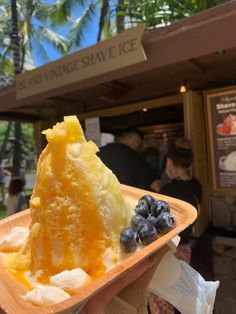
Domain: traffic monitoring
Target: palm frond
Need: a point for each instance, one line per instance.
(107, 29)
(61, 11)
(57, 41)
(6, 57)
(81, 24)
(6, 65)
(39, 48)
(25, 31)
(28, 59)
(42, 13)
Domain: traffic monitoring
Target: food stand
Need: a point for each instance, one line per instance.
(144, 93)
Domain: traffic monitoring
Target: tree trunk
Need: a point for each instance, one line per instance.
(15, 38)
(17, 152)
(120, 16)
(104, 11)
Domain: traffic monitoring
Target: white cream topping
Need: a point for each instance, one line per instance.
(70, 280)
(15, 239)
(45, 296)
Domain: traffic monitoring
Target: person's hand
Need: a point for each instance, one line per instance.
(97, 303)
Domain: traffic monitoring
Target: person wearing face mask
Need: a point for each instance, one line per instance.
(183, 186)
(125, 160)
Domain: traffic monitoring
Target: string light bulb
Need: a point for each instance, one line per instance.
(183, 87)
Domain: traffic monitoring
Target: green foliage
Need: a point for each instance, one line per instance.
(2, 210)
(156, 13)
(28, 142)
(62, 12)
(6, 65)
(29, 147)
(35, 18)
(34, 32)
(145, 12)
(81, 25)
(152, 13)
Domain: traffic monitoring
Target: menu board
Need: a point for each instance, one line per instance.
(221, 113)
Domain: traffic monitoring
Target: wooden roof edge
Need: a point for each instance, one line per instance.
(215, 13)
(7, 97)
(7, 89)
(8, 94)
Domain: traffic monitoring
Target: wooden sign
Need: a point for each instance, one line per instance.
(115, 53)
(221, 115)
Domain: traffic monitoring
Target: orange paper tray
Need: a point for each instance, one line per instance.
(11, 290)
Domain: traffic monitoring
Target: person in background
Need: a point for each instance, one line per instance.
(15, 199)
(151, 154)
(182, 186)
(125, 160)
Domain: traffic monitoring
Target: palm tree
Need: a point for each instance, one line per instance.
(33, 32)
(15, 45)
(24, 30)
(153, 14)
(103, 18)
(107, 10)
(120, 15)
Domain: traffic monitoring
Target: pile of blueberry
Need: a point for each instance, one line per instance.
(152, 219)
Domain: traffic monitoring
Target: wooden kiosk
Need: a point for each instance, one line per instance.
(134, 79)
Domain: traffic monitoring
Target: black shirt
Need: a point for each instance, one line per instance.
(129, 167)
(186, 190)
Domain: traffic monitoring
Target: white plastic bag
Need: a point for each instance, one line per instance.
(179, 284)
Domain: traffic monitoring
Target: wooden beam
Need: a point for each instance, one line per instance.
(119, 110)
(196, 66)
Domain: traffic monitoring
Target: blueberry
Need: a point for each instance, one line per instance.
(152, 219)
(129, 240)
(148, 233)
(165, 222)
(142, 210)
(140, 225)
(147, 200)
(158, 207)
(135, 220)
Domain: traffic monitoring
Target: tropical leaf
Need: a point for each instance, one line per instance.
(156, 13)
(6, 66)
(39, 48)
(57, 41)
(81, 25)
(61, 11)
(107, 29)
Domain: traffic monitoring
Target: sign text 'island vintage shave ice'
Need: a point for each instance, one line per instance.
(115, 53)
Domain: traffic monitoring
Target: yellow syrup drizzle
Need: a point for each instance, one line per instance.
(20, 276)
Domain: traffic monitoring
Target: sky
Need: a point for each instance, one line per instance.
(89, 39)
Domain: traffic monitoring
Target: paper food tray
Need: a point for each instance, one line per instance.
(12, 290)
